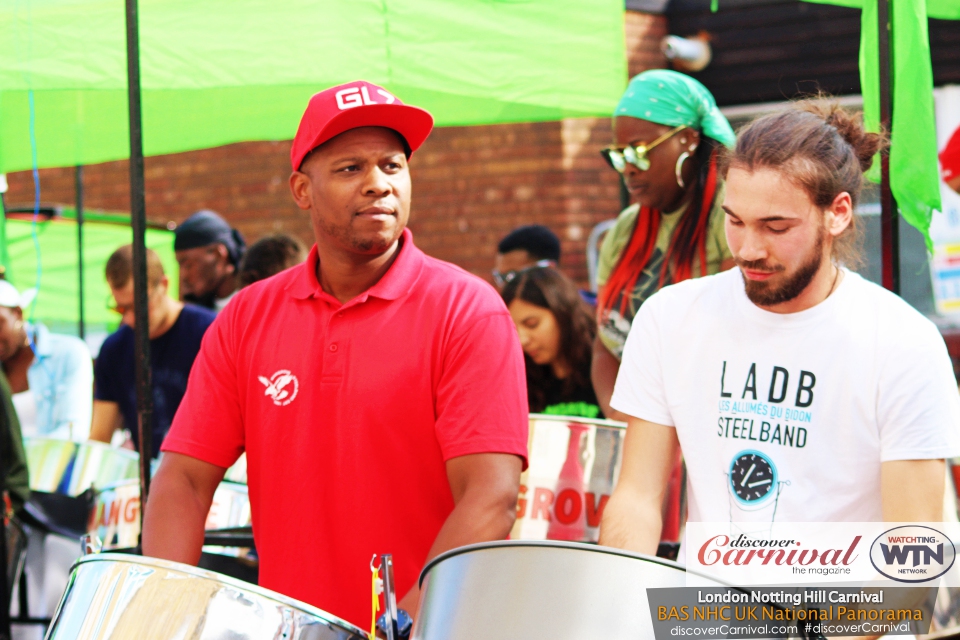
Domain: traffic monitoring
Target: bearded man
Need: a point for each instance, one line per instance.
(796, 390)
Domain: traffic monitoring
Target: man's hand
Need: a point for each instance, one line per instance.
(632, 518)
(105, 420)
(176, 511)
(485, 488)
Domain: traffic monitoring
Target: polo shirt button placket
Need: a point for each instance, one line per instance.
(334, 347)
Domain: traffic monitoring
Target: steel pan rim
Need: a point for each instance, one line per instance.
(596, 422)
(90, 444)
(556, 544)
(235, 583)
(239, 487)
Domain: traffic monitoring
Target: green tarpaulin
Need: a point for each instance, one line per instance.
(57, 300)
(914, 177)
(221, 71)
(942, 9)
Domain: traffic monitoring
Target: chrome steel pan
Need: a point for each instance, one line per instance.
(115, 513)
(573, 466)
(519, 590)
(119, 597)
(945, 622)
(70, 468)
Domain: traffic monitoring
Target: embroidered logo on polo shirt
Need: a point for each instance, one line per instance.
(281, 387)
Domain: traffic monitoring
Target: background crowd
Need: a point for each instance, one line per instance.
(667, 138)
(54, 388)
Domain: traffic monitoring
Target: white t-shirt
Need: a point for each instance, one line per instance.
(788, 416)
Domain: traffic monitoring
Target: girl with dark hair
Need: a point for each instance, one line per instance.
(556, 331)
(668, 132)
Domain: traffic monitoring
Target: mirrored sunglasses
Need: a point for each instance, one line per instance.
(618, 157)
(503, 278)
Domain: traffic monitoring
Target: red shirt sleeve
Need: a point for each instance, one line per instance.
(482, 394)
(208, 424)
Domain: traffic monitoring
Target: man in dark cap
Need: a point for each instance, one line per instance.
(209, 253)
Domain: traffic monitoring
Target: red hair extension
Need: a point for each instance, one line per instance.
(635, 255)
(689, 241)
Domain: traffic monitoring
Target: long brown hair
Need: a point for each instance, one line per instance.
(549, 289)
(689, 241)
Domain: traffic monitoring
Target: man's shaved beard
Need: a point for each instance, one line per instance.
(763, 294)
(347, 237)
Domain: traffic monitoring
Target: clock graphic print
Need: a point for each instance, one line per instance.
(753, 478)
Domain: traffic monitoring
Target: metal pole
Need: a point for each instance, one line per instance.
(138, 220)
(79, 202)
(889, 217)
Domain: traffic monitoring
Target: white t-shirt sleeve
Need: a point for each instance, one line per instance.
(918, 406)
(640, 389)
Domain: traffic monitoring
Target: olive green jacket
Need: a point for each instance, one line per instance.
(12, 456)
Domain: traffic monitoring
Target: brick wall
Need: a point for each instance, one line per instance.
(643, 33)
(472, 185)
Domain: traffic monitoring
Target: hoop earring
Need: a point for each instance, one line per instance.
(679, 169)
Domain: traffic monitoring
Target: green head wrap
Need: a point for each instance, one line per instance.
(673, 99)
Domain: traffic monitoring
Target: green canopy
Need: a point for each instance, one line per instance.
(57, 299)
(941, 9)
(914, 177)
(221, 71)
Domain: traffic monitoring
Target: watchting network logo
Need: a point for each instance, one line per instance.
(912, 553)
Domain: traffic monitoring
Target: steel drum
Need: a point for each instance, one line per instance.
(517, 590)
(116, 596)
(115, 514)
(573, 466)
(70, 468)
(945, 622)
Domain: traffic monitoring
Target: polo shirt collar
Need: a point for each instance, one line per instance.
(399, 278)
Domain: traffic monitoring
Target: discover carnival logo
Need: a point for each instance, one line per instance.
(722, 550)
(912, 553)
(281, 387)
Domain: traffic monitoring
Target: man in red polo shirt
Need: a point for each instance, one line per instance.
(379, 393)
(950, 162)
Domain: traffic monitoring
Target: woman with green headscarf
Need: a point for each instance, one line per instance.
(668, 131)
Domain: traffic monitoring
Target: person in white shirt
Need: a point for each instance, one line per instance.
(50, 375)
(796, 390)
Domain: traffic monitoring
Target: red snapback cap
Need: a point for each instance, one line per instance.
(950, 158)
(357, 104)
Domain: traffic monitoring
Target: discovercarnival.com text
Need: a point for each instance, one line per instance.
(768, 630)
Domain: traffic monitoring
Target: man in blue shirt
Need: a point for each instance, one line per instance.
(176, 330)
(50, 375)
